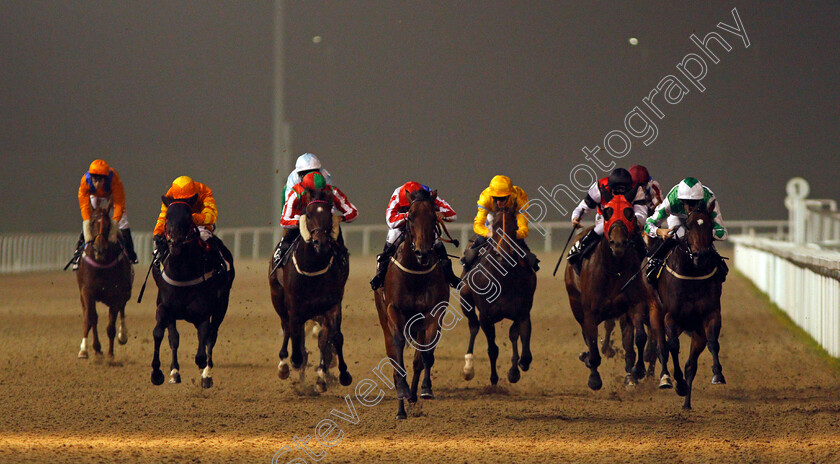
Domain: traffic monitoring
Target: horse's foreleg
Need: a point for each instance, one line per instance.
(417, 369)
(398, 342)
(641, 338)
(657, 332)
(713, 336)
(174, 341)
(111, 330)
(93, 319)
(298, 348)
(492, 349)
(698, 344)
(428, 355)
(86, 308)
(513, 335)
(673, 334)
(472, 319)
(157, 333)
(203, 329)
(626, 326)
(325, 336)
(283, 366)
(344, 377)
(606, 347)
(122, 332)
(525, 336)
(591, 358)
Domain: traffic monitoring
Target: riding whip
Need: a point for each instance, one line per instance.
(564, 250)
(633, 277)
(155, 262)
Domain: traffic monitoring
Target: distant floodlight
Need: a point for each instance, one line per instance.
(633, 41)
(316, 39)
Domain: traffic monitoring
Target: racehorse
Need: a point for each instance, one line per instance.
(595, 295)
(690, 292)
(311, 286)
(504, 261)
(194, 285)
(409, 304)
(105, 275)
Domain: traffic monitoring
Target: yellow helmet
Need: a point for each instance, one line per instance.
(183, 187)
(99, 168)
(501, 186)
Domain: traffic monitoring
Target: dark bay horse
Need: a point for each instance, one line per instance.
(105, 274)
(409, 304)
(505, 263)
(311, 286)
(194, 286)
(690, 290)
(595, 295)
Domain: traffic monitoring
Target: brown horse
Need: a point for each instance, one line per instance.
(690, 290)
(105, 275)
(311, 286)
(595, 295)
(409, 304)
(502, 263)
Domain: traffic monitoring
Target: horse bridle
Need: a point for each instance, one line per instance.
(319, 229)
(684, 240)
(193, 233)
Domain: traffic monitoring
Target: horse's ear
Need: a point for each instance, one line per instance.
(191, 200)
(166, 200)
(608, 212)
(434, 195)
(712, 205)
(606, 195)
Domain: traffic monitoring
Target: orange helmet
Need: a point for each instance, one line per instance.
(99, 168)
(183, 187)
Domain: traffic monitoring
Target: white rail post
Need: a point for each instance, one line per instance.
(366, 241)
(797, 190)
(255, 245)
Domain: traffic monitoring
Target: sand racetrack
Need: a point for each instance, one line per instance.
(781, 403)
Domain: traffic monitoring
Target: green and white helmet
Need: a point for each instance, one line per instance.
(690, 189)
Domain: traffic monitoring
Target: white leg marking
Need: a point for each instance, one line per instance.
(83, 349)
(206, 372)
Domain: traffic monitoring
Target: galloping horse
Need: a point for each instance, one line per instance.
(415, 288)
(194, 285)
(517, 281)
(105, 275)
(595, 295)
(690, 292)
(311, 286)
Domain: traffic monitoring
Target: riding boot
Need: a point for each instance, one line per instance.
(581, 248)
(723, 269)
(77, 254)
(382, 265)
(657, 260)
(343, 252)
(443, 257)
(471, 253)
(128, 244)
(530, 257)
(282, 251)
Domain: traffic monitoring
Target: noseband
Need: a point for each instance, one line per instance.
(319, 229)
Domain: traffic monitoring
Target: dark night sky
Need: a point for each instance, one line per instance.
(446, 93)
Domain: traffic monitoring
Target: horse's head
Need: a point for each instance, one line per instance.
(619, 223)
(180, 228)
(103, 231)
(420, 223)
(698, 236)
(318, 222)
(504, 222)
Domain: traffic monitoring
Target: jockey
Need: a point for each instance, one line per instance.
(619, 182)
(99, 185)
(650, 187)
(500, 191)
(204, 212)
(294, 208)
(395, 216)
(305, 164)
(675, 208)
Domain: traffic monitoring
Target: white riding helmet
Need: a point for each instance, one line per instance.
(307, 162)
(690, 189)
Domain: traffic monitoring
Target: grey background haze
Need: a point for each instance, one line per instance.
(445, 93)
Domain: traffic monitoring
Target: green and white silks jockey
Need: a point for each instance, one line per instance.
(673, 211)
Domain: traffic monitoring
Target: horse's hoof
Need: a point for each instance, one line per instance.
(468, 375)
(122, 338)
(401, 415)
(494, 379)
(402, 391)
(524, 365)
(345, 379)
(206, 382)
(174, 376)
(639, 373)
(629, 380)
(469, 371)
(584, 356)
(426, 394)
(320, 386)
(608, 352)
(665, 382)
(718, 379)
(157, 377)
(686, 406)
(595, 381)
(283, 370)
(513, 375)
(682, 388)
(83, 354)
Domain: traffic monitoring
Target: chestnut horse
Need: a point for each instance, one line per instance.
(194, 285)
(595, 295)
(105, 275)
(690, 290)
(409, 304)
(516, 282)
(311, 286)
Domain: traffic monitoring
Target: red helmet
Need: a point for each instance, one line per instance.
(640, 175)
(407, 189)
